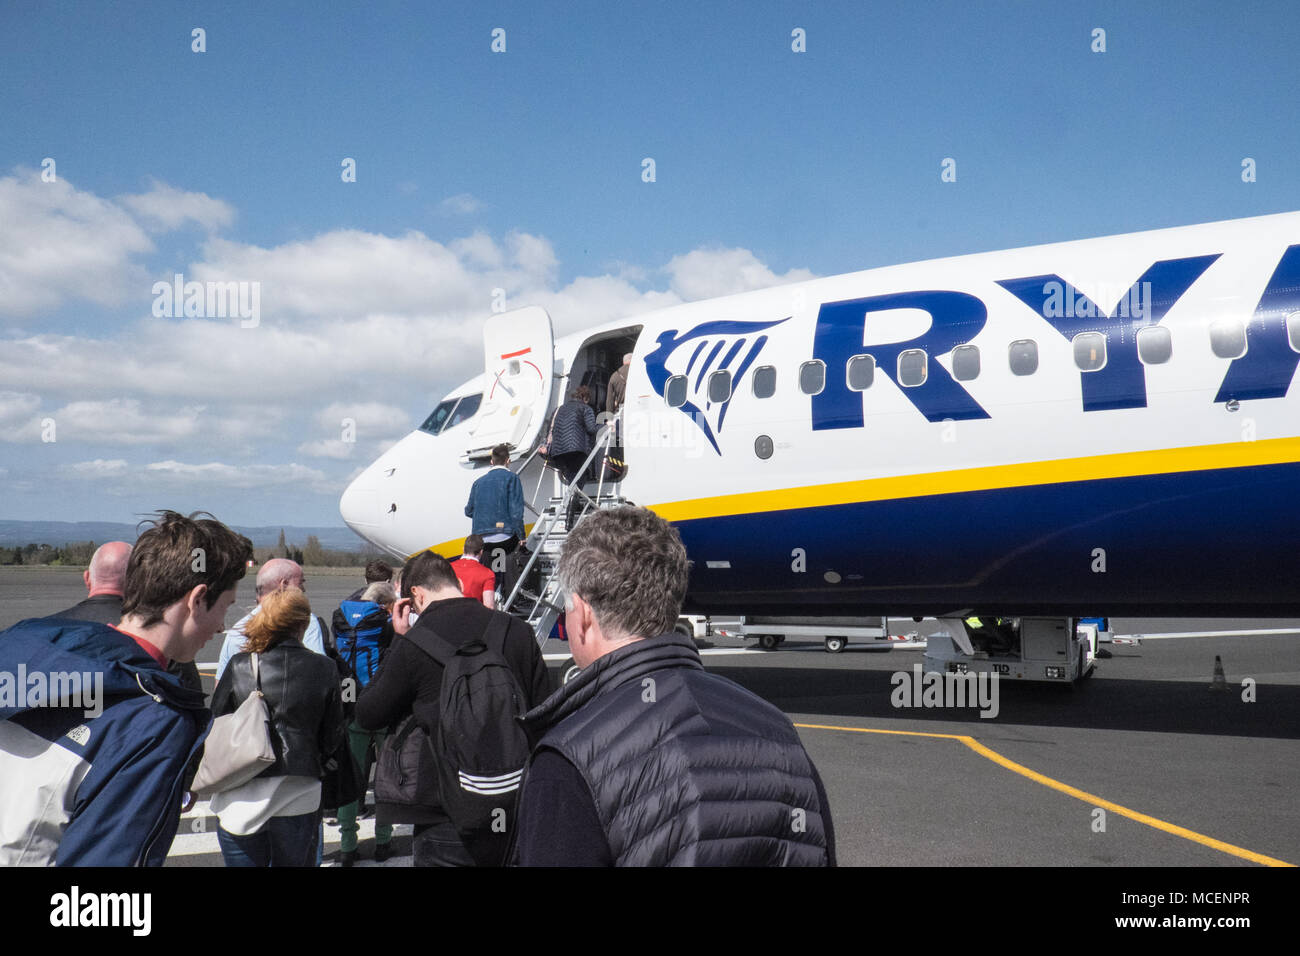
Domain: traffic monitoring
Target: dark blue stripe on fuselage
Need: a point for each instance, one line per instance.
(1222, 542)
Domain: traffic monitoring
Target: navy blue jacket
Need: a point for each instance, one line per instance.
(496, 503)
(87, 790)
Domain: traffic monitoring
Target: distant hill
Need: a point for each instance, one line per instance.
(59, 533)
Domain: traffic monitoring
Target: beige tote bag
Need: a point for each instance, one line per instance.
(238, 747)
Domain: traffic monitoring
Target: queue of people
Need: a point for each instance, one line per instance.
(644, 758)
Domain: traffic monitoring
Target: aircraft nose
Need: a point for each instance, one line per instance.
(357, 506)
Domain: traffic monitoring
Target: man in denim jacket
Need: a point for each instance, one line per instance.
(496, 504)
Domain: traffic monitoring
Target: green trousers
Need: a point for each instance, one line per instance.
(359, 743)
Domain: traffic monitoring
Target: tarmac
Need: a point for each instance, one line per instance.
(1142, 764)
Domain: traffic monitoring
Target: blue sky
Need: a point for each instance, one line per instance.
(522, 170)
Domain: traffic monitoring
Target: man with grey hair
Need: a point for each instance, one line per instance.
(644, 758)
(275, 575)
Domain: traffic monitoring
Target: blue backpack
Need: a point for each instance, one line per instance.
(362, 631)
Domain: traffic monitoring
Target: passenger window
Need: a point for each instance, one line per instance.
(812, 377)
(1090, 351)
(675, 392)
(912, 367)
(720, 386)
(1155, 345)
(1293, 330)
(861, 372)
(965, 362)
(1228, 338)
(765, 381)
(1023, 357)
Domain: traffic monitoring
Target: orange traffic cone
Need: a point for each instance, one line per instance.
(1219, 682)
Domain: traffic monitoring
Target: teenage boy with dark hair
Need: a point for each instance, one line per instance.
(92, 770)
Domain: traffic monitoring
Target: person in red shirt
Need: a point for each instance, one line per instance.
(476, 581)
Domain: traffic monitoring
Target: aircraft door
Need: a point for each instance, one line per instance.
(519, 356)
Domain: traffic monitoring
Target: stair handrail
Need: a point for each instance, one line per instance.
(603, 438)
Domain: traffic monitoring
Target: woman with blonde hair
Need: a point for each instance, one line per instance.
(274, 819)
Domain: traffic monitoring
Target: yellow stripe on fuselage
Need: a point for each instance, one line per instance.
(456, 547)
(1243, 454)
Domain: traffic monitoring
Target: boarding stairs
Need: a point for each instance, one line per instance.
(542, 607)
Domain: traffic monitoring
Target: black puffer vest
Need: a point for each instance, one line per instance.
(686, 767)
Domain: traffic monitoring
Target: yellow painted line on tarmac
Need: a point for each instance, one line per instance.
(1075, 792)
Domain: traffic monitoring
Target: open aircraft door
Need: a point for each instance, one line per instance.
(519, 356)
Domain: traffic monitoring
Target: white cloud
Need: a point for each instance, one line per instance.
(479, 251)
(348, 273)
(59, 243)
(707, 273)
(99, 468)
(532, 254)
(374, 427)
(124, 421)
(354, 324)
(373, 417)
(18, 421)
(335, 448)
(166, 207)
(589, 300)
(462, 204)
(218, 474)
(372, 318)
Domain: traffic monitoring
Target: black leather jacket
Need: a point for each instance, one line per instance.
(304, 699)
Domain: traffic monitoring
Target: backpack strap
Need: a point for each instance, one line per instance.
(433, 644)
(497, 630)
(442, 650)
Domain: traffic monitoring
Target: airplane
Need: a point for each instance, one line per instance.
(1105, 427)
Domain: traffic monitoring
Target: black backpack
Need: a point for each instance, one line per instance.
(479, 749)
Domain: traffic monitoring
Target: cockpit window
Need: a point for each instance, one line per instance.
(466, 410)
(451, 413)
(438, 417)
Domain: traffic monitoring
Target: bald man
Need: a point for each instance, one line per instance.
(275, 575)
(104, 582)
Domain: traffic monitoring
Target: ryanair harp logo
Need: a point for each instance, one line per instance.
(693, 355)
